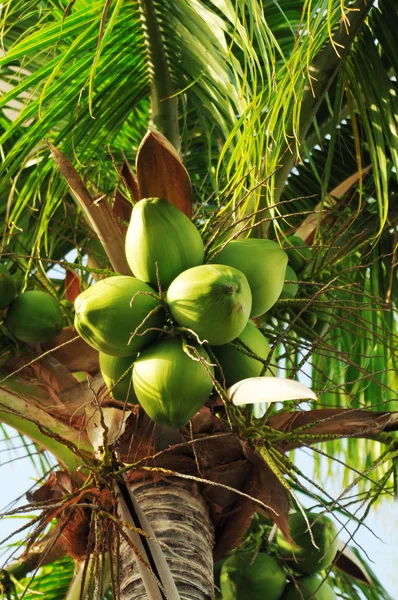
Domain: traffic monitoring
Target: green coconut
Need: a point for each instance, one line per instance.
(264, 264)
(170, 385)
(34, 317)
(212, 300)
(7, 287)
(290, 290)
(304, 557)
(298, 252)
(309, 588)
(235, 364)
(244, 579)
(113, 368)
(109, 312)
(160, 233)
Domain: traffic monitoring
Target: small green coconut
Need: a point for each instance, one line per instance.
(160, 233)
(298, 252)
(34, 317)
(171, 385)
(109, 312)
(290, 290)
(214, 301)
(236, 365)
(303, 556)
(264, 264)
(113, 368)
(311, 587)
(245, 579)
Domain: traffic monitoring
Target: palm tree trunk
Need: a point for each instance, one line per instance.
(179, 518)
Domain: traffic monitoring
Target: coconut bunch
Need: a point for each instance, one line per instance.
(167, 333)
(294, 573)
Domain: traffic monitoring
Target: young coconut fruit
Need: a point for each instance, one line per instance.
(212, 300)
(244, 579)
(160, 233)
(290, 290)
(7, 287)
(119, 384)
(235, 364)
(311, 587)
(264, 264)
(298, 252)
(303, 556)
(109, 312)
(34, 317)
(172, 385)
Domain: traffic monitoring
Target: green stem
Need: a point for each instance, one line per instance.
(164, 103)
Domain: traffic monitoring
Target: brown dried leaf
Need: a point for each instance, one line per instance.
(334, 421)
(76, 528)
(221, 449)
(142, 437)
(54, 374)
(233, 475)
(99, 214)
(121, 207)
(161, 173)
(349, 563)
(56, 486)
(130, 180)
(74, 355)
(260, 483)
(72, 285)
(45, 551)
(269, 490)
(64, 482)
(229, 534)
(44, 492)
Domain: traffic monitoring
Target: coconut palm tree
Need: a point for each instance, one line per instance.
(266, 119)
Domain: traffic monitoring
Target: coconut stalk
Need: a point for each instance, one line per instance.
(178, 517)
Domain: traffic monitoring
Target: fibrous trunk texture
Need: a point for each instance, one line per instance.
(179, 518)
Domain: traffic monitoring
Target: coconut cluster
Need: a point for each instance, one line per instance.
(245, 575)
(167, 332)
